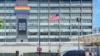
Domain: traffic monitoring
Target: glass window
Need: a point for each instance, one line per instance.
(86, 8)
(11, 40)
(54, 8)
(43, 8)
(87, 1)
(86, 27)
(9, 14)
(2, 14)
(64, 21)
(74, 33)
(86, 20)
(44, 27)
(33, 1)
(74, 27)
(64, 1)
(43, 14)
(54, 1)
(43, 1)
(64, 8)
(75, 14)
(2, 33)
(10, 1)
(34, 8)
(10, 27)
(33, 14)
(75, 1)
(74, 8)
(86, 14)
(43, 33)
(32, 20)
(2, 8)
(10, 33)
(10, 21)
(73, 20)
(32, 26)
(43, 20)
(9, 8)
(64, 14)
(33, 33)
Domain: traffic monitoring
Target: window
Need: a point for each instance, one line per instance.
(54, 8)
(74, 8)
(64, 14)
(2, 14)
(54, 1)
(43, 1)
(33, 14)
(10, 21)
(34, 8)
(43, 33)
(2, 33)
(2, 8)
(10, 33)
(43, 20)
(43, 14)
(86, 20)
(64, 1)
(73, 20)
(9, 8)
(33, 33)
(87, 1)
(33, 1)
(74, 27)
(86, 8)
(75, 14)
(32, 20)
(86, 14)
(44, 27)
(64, 21)
(43, 8)
(74, 33)
(9, 14)
(86, 27)
(11, 27)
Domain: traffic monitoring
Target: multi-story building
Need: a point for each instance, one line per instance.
(36, 20)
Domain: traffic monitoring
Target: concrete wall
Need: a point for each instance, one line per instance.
(32, 47)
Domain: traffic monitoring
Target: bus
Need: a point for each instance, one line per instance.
(74, 53)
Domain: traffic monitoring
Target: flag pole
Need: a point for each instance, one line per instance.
(49, 27)
(39, 28)
(79, 21)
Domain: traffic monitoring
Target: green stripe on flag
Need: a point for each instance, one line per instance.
(1, 26)
(1, 23)
(1, 20)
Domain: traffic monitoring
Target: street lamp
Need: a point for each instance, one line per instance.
(79, 21)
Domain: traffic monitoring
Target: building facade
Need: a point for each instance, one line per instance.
(36, 20)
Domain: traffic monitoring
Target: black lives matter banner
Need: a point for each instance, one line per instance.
(22, 26)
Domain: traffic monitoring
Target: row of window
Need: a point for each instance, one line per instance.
(61, 27)
(46, 33)
(47, 14)
(36, 39)
(51, 1)
(51, 27)
(50, 8)
(34, 21)
(61, 21)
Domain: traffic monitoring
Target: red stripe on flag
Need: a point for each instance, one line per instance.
(54, 18)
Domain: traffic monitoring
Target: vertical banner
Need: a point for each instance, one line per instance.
(22, 26)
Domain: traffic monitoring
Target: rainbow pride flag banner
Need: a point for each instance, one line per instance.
(22, 9)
